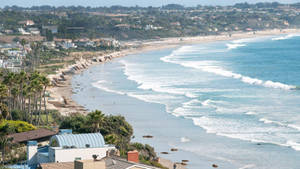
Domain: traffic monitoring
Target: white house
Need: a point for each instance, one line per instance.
(68, 148)
(68, 45)
(23, 32)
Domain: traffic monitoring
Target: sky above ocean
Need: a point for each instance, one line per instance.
(28, 3)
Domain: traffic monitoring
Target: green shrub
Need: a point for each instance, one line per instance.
(10, 126)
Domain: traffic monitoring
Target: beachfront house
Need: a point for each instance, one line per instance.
(108, 162)
(41, 136)
(67, 147)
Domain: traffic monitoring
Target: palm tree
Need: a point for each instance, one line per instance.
(23, 42)
(9, 80)
(21, 80)
(5, 144)
(96, 118)
(45, 82)
(29, 93)
(3, 92)
(3, 111)
(36, 47)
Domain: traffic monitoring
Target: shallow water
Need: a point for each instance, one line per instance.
(232, 103)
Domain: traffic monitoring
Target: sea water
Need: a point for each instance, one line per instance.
(234, 103)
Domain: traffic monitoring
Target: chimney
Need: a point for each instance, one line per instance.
(133, 156)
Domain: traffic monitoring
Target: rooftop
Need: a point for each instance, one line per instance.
(110, 163)
(31, 135)
(91, 140)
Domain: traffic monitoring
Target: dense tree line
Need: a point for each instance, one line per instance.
(24, 92)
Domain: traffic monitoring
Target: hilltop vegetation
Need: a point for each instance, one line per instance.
(115, 129)
(172, 20)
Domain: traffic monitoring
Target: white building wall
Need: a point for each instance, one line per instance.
(69, 155)
(32, 154)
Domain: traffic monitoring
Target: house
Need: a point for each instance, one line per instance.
(175, 23)
(34, 31)
(40, 135)
(109, 42)
(52, 28)
(26, 23)
(68, 45)
(8, 31)
(49, 44)
(108, 162)
(67, 147)
(122, 26)
(23, 32)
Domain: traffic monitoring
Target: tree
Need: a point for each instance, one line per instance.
(35, 54)
(45, 82)
(23, 42)
(3, 92)
(5, 144)
(96, 118)
(3, 111)
(9, 80)
(49, 35)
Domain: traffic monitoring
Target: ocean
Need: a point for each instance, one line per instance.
(231, 103)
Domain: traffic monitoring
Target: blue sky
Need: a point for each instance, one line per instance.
(28, 3)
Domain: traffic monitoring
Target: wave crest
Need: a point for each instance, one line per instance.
(211, 67)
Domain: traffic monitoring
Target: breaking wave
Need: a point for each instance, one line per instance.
(285, 37)
(212, 67)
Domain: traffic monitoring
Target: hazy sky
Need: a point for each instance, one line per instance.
(28, 3)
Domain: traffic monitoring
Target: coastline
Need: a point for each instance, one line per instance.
(62, 93)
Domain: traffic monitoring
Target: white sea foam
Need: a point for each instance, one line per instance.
(192, 103)
(294, 126)
(157, 84)
(285, 37)
(241, 43)
(213, 67)
(266, 121)
(206, 102)
(293, 144)
(248, 166)
(234, 46)
(251, 113)
(250, 132)
(101, 85)
(184, 139)
(152, 98)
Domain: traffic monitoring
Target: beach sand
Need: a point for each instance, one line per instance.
(61, 92)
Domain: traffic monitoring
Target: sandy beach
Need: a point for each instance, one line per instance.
(61, 91)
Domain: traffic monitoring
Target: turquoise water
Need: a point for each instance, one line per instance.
(233, 103)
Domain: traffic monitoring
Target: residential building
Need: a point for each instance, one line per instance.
(66, 147)
(23, 32)
(34, 31)
(41, 135)
(49, 44)
(26, 23)
(52, 28)
(68, 45)
(108, 162)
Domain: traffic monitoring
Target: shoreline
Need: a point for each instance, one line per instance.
(62, 93)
